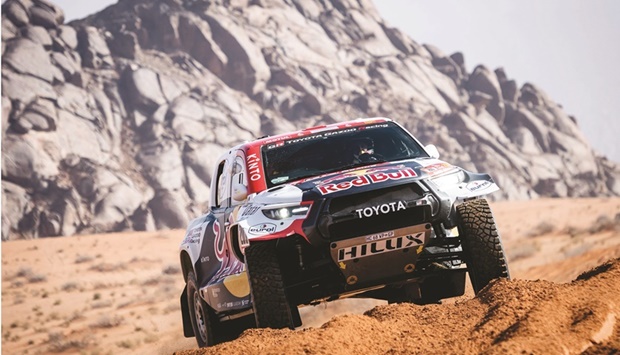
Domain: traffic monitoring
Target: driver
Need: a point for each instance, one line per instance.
(364, 150)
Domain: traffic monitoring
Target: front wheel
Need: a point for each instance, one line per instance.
(201, 315)
(269, 300)
(484, 254)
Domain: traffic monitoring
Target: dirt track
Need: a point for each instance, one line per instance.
(516, 316)
(119, 293)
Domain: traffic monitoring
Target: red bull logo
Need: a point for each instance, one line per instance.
(367, 179)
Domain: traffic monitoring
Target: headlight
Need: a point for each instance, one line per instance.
(450, 179)
(286, 212)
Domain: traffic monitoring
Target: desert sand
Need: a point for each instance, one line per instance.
(119, 293)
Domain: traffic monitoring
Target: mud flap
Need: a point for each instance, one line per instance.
(296, 316)
(188, 330)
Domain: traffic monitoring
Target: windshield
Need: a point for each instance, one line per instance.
(336, 150)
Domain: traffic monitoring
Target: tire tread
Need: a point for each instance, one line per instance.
(271, 307)
(481, 243)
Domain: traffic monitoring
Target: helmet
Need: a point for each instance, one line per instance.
(364, 146)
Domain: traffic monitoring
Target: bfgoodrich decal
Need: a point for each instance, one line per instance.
(478, 185)
(263, 228)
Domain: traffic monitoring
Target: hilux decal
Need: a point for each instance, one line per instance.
(380, 246)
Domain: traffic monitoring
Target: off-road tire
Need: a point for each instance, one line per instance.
(482, 246)
(269, 300)
(202, 316)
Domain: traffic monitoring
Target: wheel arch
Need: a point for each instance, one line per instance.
(186, 264)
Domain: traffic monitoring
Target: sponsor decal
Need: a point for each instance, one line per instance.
(279, 180)
(250, 210)
(253, 162)
(276, 139)
(204, 259)
(368, 179)
(436, 168)
(373, 237)
(478, 185)
(218, 242)
(263, 228)
(192, 236)
(317, 134)
(380, 209)
(380, 246)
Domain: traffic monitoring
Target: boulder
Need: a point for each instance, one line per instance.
(43, 17)
(162, 165)
(524, 118)
(510, 91)
(125, 44)
(144, 89)
(39, 35)
(25, 88)
(196, 39)
(246, 69)
(168, 210)
(483, 80)
(186, 128)
(29, 58)
(112, 213)
(68, 35)
(24, 161)
(93, 48)
(82, 138)
(187, 107)
(16, 12)
(51, 9)
(15, 203)
(172, 88)
(68, 67)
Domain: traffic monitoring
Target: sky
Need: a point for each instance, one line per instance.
(568, 48)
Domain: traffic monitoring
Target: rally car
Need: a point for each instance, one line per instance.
(353, 209)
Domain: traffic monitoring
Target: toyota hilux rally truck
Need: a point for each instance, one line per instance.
(353, 209)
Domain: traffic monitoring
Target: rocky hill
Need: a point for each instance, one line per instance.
(113, 122)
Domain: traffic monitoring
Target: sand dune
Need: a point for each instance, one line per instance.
(118, 293)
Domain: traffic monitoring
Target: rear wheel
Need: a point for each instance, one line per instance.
(484, 254)
(271, 306)
(201, 315)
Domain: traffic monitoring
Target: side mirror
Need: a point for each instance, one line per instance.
(239, 190)
(432, 151)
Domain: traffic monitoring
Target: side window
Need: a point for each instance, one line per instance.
(237, 166)
(239, 182)
(222, 185)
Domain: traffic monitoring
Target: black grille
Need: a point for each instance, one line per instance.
(354, 227)
(408, 192)
(344, 222)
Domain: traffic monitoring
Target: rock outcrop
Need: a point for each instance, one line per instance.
(113, 122)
